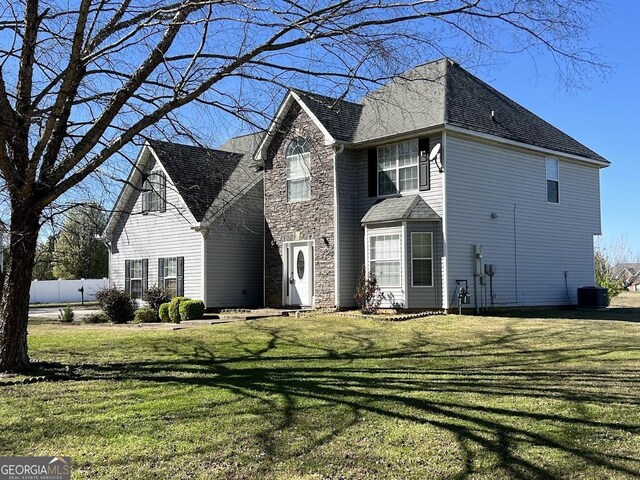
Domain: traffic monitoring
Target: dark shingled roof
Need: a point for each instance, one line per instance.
(470, 102)
(198, 173)
(436, 94)
(409, 207)
(339, 117)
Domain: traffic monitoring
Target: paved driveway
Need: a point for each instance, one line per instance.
(52, 312)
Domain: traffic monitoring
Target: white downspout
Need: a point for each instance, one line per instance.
(205, 264)
(336, 227)
(445, 256)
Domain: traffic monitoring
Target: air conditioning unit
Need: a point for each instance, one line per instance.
(593, 297)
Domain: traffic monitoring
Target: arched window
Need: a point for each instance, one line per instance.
(298, 154)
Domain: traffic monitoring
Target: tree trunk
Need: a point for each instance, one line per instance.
(14, 304)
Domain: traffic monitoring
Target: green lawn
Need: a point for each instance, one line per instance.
(328, 397)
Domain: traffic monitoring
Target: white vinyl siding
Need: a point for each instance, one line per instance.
(530, 242)
(155, 236)
(398, 168)
(421, 259)
(298, 174)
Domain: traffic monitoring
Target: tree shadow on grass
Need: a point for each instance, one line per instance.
(459, 390)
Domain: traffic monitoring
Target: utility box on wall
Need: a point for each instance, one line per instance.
(593, 297)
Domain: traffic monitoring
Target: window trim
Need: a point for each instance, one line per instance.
(140, 278)
(150, 191)
(397, 169)
(422, 258)
(288, 156)
(557, 180)
(166, 277)
(399, 259)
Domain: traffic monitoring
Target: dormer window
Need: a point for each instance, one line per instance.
(398, 168)
(154, 194)
(298, 173)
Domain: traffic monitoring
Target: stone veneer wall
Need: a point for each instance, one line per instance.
(307, 220)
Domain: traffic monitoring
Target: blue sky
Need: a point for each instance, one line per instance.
(605, 115)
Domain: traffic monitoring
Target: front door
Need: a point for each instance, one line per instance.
(300, 273)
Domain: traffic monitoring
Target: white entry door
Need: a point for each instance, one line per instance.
(300, 273)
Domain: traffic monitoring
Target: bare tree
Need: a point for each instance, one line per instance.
(79, 81)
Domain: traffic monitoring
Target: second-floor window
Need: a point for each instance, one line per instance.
(154, 194)
(298, 174)
(398, 168)
(553, 181)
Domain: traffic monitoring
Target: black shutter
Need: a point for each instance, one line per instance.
(373, 172)
(127, 276)
(145, 275)
(424, 165)
(145, 196)
(161, 272)
(180, 279)
(163, 193)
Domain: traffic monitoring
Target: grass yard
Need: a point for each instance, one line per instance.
(327, 397)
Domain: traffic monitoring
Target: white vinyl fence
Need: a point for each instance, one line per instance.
(59, 291)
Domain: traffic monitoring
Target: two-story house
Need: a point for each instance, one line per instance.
(432, 183)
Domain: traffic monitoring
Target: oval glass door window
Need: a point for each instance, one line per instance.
(300, 264)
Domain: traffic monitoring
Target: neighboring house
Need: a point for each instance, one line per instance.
(629, 275)
(191, 219)
(424, 183)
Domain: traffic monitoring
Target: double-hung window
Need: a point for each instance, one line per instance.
(153, 197)
(553, 180)
(171, 275)
(384, 259)
(298, 174)
(421, 259)
(398, 168)
(135, 272)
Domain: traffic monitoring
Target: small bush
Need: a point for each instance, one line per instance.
(368, 294)
(156, 296)
(145, 315)
(95, 318)
(191, 309)
(116, 304)
(163, 312)
(174, 308)
(66, 315)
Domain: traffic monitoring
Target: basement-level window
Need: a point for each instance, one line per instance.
(384, 259)
(298, 174)
(553, 181)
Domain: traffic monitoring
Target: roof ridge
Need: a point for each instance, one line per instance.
(315, 94)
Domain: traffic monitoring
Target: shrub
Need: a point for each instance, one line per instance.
(174, 308)
(368, 294)
(156, 296)
(66, 315)
(145, 315)
(191, 309)
(95, 318)
(163, 312)
(116, 304)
